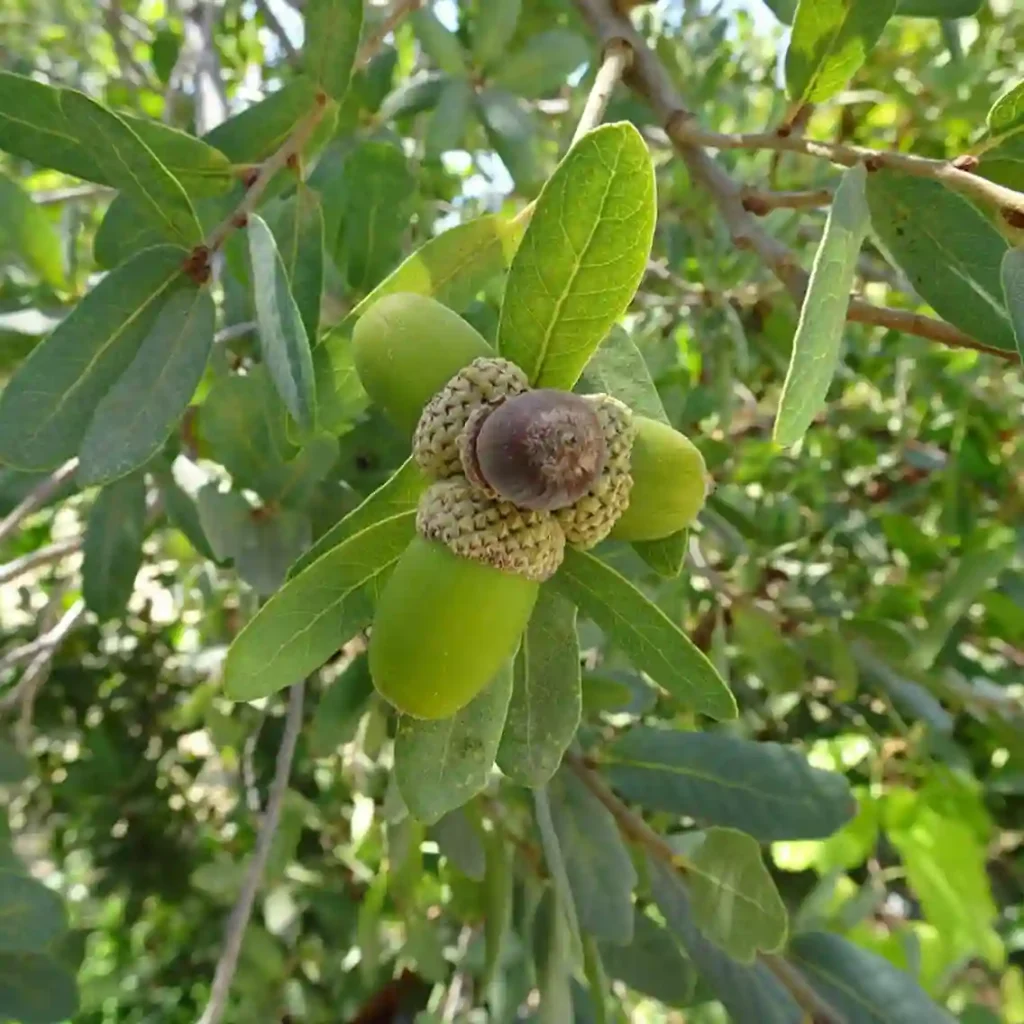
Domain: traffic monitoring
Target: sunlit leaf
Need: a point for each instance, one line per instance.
(332, 36)
(819, 333)
(830, 42)
(27, 233)
(543, 64)
(581, 258)
(440, 44)
(493, 28)
(316, 612)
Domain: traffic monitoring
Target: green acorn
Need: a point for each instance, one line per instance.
(406, 347)
(669, 483)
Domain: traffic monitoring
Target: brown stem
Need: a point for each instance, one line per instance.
(618, 55)
(762, 201)
(1007, 200)
(401, 10)
(649, 79)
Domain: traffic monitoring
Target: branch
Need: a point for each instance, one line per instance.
(36, 498)
(24, 692)
(649, 79)
(635, 828)
(401, 10)
(239, 919)
(42, 556)
(761, 201)
(1009, 202)
(271, 166)
(618, 55)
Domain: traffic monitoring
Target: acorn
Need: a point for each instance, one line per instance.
(444, 626)
(406, 347)
(541, 450)
(669, 483)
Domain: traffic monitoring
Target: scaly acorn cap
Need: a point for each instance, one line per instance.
(515, 540)
(484, 383)
(589, 520)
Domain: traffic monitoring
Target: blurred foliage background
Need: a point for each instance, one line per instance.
(864, 598)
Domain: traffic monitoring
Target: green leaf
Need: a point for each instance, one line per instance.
(819, 333)
(767, 790)
(283, 339)
(938, 8)
(543, 64)
(131, 166)
(618, 368)
(665, 556)
(1012, 275)
(513, 132)
(448, 122)
(441, 763)
(33, 126)
(31, 915)
(112, 552)
(1007, 113)
(36, 989)
(749, 993)
(546, 696)
(136, 416)
(332, 35)
(784, 10)
(299, 232)
(945, 869)
(163, 52)
(600, 872)
(258, 131)
(340, 708)
(652, 963)
(732, 896)
(493, 29)
(202, 169)
(830, 42)
(950, 252)
(414, 96)
(864, 987)
(582, 256)
(182, 513)
(123, 233)
(312, 615)
(459, 839)
(965, 584)
(376, 212)
(774, 659)
(14, 767)
(440, 45)
(401, 493)
(553, 942)
(261, 543)
(28, 234)
(653, 642)
(452, 267)
(47, 406)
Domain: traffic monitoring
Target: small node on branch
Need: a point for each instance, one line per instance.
(873, 163)
(619, 47)
(1013, 216)
(755, 204)
(321, 98)
(966, 162)
(678, 122)
(197, 265)
(292, 163)
(240, 220)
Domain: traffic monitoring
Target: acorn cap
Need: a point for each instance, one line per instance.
(519, 541)
(590, 519)
(484, 383)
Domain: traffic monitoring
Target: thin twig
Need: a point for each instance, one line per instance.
(1007, 200)
(24, 691)
(453, 997)
(762, 201)
(649, 79)
(635, 828)
(271, 166)
(242, 911)
(36, 498)
(41, 556)
(401, 10)
(618, 55)
(51, 196)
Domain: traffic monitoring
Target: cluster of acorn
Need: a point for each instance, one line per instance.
(516, 475)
